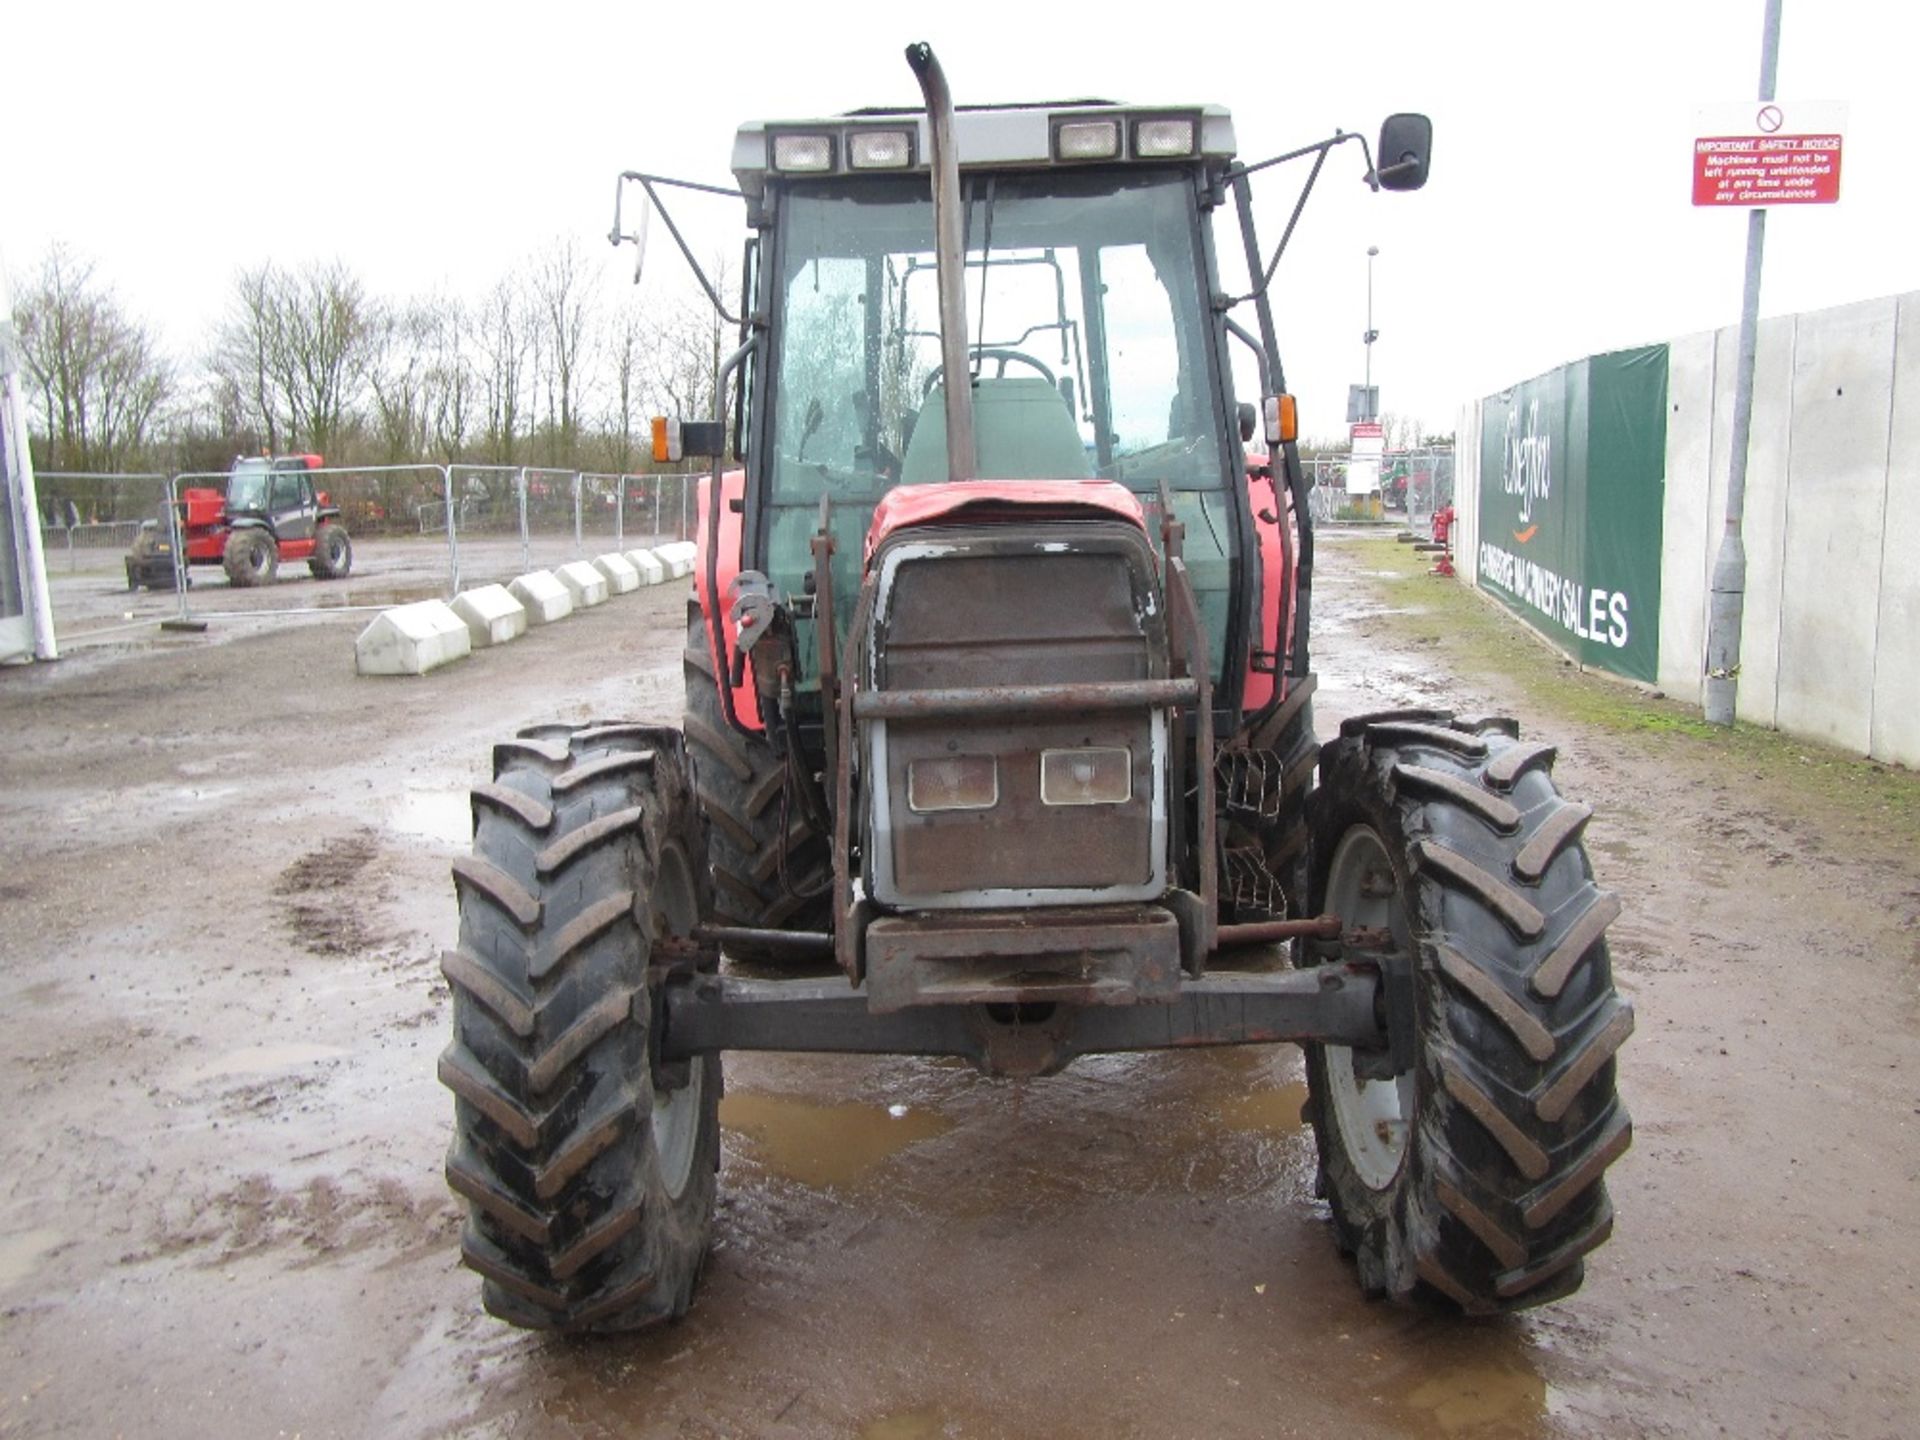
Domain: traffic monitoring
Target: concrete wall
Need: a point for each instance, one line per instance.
(1830, 648)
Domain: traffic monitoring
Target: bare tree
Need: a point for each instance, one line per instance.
(1402, 432)
(501, 339)
(246, 356)
(401, 380)
(451, 381)
(624, 345)
(297, 346)
(564, 308)
(100, 382)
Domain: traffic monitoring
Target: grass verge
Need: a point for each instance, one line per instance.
(1474, 636)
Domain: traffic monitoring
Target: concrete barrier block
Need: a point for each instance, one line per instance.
(651, 571)
(585, 584)
(677, 557)
(411, 640)
(544, 597)
(493, 616)
(620, 576)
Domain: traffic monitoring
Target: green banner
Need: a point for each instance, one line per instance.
(1572, 485)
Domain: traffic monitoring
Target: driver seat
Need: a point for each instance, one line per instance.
(1022, 430)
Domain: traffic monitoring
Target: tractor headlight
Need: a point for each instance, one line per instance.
(1162, 139)
(953, 782)
(1087, 140)
(1094, 776)
(803, 152)
(879, 149)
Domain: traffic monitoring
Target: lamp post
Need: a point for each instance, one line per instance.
(1371, 335)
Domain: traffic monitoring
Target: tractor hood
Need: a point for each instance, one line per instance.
(909, 505)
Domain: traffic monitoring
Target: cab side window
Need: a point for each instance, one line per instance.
(286, 494)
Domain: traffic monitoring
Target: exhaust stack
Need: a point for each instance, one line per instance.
(950, 261)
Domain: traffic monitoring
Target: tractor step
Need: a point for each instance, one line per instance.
(1249, 890)
(1253, 784)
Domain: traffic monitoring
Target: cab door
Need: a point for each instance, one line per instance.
(291, 505)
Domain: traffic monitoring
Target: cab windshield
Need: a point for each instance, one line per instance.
(1086, 336)
(247, 485)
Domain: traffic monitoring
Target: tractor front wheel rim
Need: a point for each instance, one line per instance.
(1374, 1117)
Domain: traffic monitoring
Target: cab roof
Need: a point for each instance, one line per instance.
(986, 137)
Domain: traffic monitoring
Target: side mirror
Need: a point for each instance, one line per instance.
(1404, 151)
(639, 235)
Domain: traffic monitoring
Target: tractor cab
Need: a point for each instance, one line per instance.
(1091, 350)
(275, 491)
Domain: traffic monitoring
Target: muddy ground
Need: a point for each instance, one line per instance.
(92, 604)
(223, 886)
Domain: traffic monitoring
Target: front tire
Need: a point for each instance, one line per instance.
(251, 557)
(1475, 1175)
(590, 1192)
(332, 552)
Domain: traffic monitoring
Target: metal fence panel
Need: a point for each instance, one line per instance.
(89, 522)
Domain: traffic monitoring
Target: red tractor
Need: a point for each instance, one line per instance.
(998, 741)
(270, 512)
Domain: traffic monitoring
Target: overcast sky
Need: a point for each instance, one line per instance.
(434, 145)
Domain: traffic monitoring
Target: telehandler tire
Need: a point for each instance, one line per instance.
(332, 552)
(1475, 1176)
(770, 862)
(250, 557)
(590, 1189)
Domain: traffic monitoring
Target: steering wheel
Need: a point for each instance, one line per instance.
(1002, 357)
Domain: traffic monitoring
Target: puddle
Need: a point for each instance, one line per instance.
(20, 1255)
(826, 1146)
(906, 1425)
(442, 816)
(263, 1060)
(402, 595)
(1275, 1111)
(1485, 1398)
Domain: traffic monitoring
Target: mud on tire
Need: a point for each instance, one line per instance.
(590, 1194)
(770, 863)
(332, 552)
(1476, 1176)
(251, 557)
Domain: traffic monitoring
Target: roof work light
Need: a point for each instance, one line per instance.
(1163, 139)
(1087, 140)
(880, 149)
(803, 152)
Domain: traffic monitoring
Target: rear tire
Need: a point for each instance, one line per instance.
(1474, 1176)
(332, 552)
(743, 790)
(250, 557)
(590, 1193)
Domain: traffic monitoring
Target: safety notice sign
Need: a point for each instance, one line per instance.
(1770, 153)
